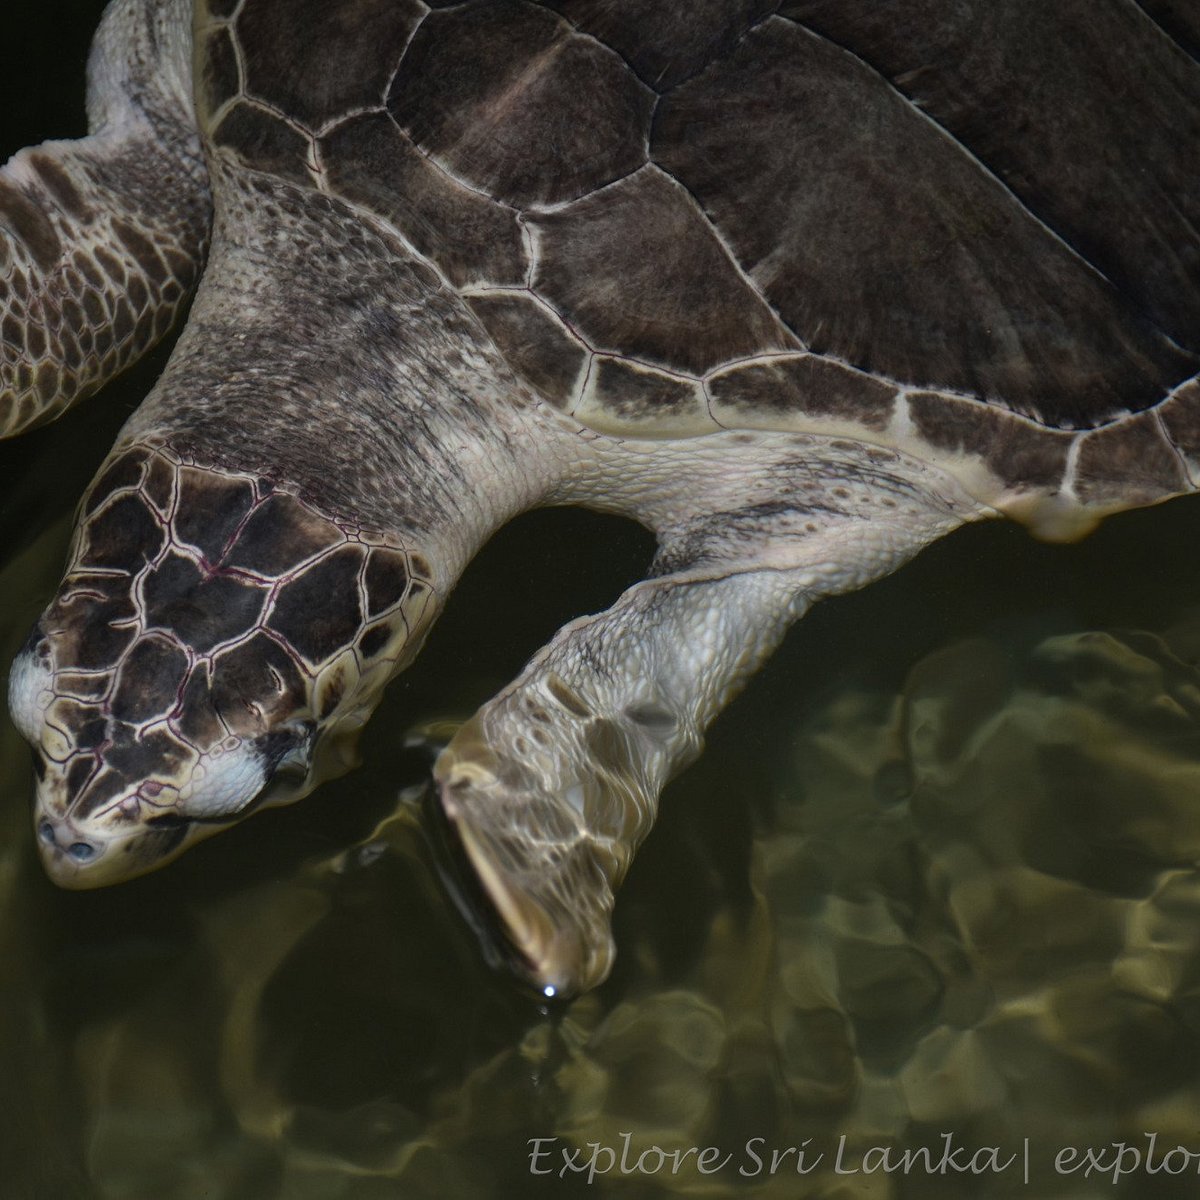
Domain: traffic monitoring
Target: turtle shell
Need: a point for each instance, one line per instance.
(968, 226)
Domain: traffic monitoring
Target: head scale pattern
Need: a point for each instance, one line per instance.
(211, 629)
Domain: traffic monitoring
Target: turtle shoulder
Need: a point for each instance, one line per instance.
(961, 227)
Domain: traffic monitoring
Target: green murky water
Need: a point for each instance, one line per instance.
(933, 886)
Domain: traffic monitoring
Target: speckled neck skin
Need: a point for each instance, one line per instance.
(321, 354)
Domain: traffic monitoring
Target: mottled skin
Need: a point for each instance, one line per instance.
(799, 284)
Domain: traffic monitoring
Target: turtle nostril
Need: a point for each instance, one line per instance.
(46, 832)
(81, 851)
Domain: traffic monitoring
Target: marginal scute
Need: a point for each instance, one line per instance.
(623, 395)
(219, 76)
(201, 610)
(370, 162)
(211, 507)
(420, 596)
(149, 680)
(881, 242)
(636, 269)
(1022, 454)
(263, 142)
(319, 612)
(123, 536)
(665, 43)
(1128, 463)
(1181, 418)
(780, 392)
(86, 721)
(534, 342)
(518, 104)
(279, 535)
(317, 61)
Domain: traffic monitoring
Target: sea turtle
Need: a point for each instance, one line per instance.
(801, 285)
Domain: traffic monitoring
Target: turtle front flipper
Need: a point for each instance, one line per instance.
(102, 239)
(553, 785)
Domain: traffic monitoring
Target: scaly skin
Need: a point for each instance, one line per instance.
(102, 239)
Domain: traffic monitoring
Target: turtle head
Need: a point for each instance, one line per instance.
(214, 648)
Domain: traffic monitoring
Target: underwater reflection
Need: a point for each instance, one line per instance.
(933, 886)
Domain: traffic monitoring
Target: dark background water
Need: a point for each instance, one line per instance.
(936, 873)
